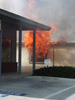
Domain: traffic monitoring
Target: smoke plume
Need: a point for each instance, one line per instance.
(57, 12)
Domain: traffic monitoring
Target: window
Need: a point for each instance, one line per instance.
(38, 61)
(6, 50)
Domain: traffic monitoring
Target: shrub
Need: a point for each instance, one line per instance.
(60, 71)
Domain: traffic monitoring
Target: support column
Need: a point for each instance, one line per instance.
(0, 50)
(20, 44)
(53, 57)
(34, 48)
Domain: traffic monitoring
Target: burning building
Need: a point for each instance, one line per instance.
(60, 53)
(64, 55)
(9, 24)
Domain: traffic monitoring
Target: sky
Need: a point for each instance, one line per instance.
(60, 13)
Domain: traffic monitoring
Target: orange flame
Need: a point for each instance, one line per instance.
(42, 42)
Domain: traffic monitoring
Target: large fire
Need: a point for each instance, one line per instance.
(42, 42)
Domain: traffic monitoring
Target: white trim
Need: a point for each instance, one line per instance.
(56, 93)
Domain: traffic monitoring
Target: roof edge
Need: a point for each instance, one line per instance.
(23, 19)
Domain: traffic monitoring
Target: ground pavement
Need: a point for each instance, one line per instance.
(22, 87)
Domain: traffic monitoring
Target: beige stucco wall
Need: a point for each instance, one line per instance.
(26, 66)
(63, 56)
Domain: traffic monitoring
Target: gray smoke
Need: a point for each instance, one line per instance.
(57, 12)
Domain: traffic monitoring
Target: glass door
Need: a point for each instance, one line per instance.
(6, 50)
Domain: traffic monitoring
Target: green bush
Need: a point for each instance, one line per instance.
(64, 71)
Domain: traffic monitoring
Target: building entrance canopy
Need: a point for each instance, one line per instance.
(20, 23)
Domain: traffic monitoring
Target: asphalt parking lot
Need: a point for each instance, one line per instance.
(37, 87)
